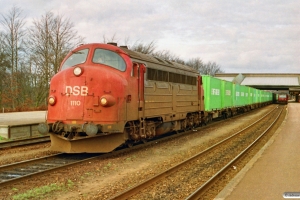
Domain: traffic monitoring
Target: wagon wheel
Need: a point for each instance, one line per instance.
(210, 118)
(225, 115)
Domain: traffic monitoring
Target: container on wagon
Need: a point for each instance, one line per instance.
(212, 92)
(227, 93)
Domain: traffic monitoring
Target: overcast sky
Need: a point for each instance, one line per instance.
(241, 36)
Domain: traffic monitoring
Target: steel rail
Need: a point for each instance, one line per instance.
(201, 190)
(21, 170)
(140, 186)
(15, 177)
(26, 163)
(23, 142)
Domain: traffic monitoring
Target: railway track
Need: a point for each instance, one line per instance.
(192, 178)
(23, 142)
(16, 173)
(21, 170)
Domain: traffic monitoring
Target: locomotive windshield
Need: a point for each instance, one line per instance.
(77, 57)
(109, 58)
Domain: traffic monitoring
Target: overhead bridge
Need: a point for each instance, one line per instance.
(278, 83)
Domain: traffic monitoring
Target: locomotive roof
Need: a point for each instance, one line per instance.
(158, 61)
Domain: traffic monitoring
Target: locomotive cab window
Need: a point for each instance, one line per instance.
(109, 58)
(76, 58)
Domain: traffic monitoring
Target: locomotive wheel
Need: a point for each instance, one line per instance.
(183, 125)
(131, 130)
(129, 144)
(144, 141)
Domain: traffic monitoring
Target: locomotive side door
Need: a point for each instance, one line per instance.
(135, 100)
(200, 93)
(141, 85)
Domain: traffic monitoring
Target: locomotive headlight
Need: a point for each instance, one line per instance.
(107, 100)
(52, 100)
(103, 101)
(77, 71)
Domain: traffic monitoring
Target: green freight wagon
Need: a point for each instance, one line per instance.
(248, 92)
(218, 97)
(263, 96)
(266, 97)
(225, 99)
(212, 93)
(237, 96)
(270, 97)
(256, 98)
(244, 92)
(226, 94)
(251, 97)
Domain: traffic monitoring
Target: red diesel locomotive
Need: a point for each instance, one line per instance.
(100, 99)
(106, 96)
(282, 98)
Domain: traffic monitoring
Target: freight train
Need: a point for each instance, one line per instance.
(105, 96)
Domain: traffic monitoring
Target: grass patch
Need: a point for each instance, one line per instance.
(130, 158)
(108, 166)
(70, 183)
(42, 192)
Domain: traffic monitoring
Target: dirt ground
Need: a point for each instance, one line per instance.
(103, 178)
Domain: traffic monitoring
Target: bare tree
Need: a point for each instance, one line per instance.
(211, 68)
(196, 63)
(14, 33)
(167, 55)
(112, 39)
(144, 48)
(63, 39)
(4, 58)
(50, 39)
(4, 64)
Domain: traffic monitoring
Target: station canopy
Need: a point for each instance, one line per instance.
(276, 82)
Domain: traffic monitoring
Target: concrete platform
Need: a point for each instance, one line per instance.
(274, 170)
(19, 125)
